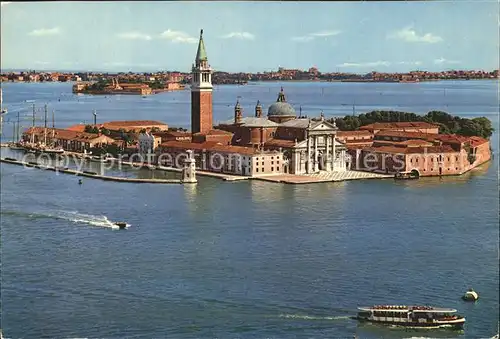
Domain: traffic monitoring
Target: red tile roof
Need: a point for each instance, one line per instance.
(409, 135)
(353, 133)
(452, 138)
(389, 125)
(213, 132)
(280, 143)
(172, 134)
(476, 141)
(410, 150)
(77, 128)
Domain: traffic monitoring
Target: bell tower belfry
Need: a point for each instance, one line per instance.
(201, 91)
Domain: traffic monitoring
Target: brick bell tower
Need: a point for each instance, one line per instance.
(201, 91)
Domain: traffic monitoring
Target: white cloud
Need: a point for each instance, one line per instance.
(178, 36)
(3, 3)
(441, 61)
(325, 33)
(239, 35)
(365, 64)
(312, 36)
(408, 34)
(416, 63)
(134, 36)
(45, 31)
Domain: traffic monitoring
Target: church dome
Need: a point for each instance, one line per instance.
(281, 108)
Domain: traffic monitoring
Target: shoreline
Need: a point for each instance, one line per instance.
(257, 81)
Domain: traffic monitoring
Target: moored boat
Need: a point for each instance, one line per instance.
(412, 175)
(411, 316)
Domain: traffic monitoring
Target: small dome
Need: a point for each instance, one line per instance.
(283, 109)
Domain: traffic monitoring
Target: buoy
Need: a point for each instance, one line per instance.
(80, 181)
(470, 295)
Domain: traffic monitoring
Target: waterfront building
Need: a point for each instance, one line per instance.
(423, 155)
(68, 140)
(216, 157)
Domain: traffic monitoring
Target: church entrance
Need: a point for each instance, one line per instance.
(321, 161)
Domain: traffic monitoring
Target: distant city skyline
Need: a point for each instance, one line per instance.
(354, 37)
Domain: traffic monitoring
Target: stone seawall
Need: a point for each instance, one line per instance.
(88, 174)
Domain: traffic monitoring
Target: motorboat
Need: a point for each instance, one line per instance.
(411, 316)
(406, 175)
(470, 295)
(122, 225)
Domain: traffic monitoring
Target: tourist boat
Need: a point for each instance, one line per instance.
(411, 316)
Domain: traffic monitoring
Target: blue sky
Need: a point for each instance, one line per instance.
(250, 36)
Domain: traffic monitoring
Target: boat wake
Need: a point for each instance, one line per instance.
(72, 216)
(312, 317)
(94, 220)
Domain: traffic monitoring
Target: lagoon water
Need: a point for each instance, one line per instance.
(245, 259)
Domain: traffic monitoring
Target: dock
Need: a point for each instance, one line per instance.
(322, 177)
(89, 174)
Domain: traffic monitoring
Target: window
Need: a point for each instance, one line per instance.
(272, 169)
(257, 163)
(256, 170)
(277, 162)
(262, 169)
(272, 162)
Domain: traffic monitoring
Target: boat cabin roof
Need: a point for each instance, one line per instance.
(404, 308)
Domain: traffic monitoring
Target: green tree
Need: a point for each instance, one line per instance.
(105, 131)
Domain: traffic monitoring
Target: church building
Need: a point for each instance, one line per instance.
(277, 143)
(309, 145)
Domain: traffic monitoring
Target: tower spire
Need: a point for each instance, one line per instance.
(201, 54)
